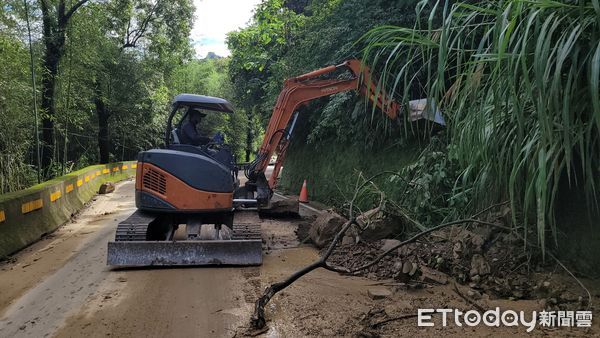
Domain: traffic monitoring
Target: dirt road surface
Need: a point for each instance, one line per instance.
(61, 287)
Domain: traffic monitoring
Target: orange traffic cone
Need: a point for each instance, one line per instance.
(303, 193)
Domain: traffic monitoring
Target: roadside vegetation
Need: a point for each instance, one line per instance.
(105, 73)
(517, 83)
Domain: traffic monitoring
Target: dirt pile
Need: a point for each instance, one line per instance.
(490, 260)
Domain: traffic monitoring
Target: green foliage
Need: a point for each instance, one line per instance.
(427, 186)
(256, 49)
(518, 82)
(130, 68)
(120, 53)
(289, 38)
(255, 52)
(331, 169)
(16, 108)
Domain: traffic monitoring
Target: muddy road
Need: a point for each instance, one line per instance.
(61, 287)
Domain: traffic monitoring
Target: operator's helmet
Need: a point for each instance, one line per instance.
(195, 113)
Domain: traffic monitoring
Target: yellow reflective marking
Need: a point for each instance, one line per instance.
(79, 183)
(2, 216)
(133, 166)
(69, 188)
(55, 195)
(31, 206)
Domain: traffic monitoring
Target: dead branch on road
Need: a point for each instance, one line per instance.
(258, 317)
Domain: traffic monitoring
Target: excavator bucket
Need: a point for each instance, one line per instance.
(284, 208)
(241, 245)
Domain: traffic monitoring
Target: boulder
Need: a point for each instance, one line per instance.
(378, 224)
(325, 227)
(379, 293)
(106, 188)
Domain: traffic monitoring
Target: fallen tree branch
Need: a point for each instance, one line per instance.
(258, 317)
(589, 295)
(489, 208)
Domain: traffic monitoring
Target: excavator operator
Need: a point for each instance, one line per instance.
(189, 130)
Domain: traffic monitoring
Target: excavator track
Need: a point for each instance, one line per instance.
(131, 247)
(135, 227)
(246, 226)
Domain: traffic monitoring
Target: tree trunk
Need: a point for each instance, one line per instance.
(54, 25)
(103, 142)
(249, 135)
(51, 59)
(103, 115)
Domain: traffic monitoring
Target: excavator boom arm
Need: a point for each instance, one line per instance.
(301, 89)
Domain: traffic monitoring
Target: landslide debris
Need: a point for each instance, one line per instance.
(491, 261)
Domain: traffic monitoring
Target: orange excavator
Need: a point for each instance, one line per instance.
(192, 209)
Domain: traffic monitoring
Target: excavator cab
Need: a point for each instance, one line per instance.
(180, 116)
(210, 109)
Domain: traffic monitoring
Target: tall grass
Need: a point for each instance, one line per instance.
(518, 84)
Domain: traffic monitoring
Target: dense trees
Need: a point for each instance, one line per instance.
(55, 20)
(288, 38)
(106, 72)
(16, 116)
(103, 73)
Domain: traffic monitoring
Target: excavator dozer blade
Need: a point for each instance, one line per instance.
(242, 244)
(209, 252)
